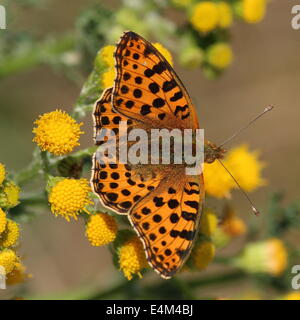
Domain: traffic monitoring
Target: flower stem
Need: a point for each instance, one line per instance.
(36, 54)
(46, 164)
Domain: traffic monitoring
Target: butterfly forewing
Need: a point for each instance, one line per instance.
(147, 88)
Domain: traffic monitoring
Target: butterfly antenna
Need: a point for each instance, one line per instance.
(266, 109)
(255, 211)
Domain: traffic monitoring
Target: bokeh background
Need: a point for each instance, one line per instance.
(265, 71)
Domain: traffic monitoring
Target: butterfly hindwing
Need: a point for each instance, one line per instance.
(167, 222)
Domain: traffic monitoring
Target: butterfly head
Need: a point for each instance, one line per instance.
(212, 152)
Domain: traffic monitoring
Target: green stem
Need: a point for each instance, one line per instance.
(35, 55)
(120, 288)
(34, 199)
(186, 286)
(84, 152)
(217, 279)
(46, 164)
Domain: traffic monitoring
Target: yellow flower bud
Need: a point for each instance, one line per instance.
(225, 14)
(3, 221)
(2, 173)
(132, 258)
(69, 197)
(205, 16)
(253, 11)
(11, 234)
(219, 55)
(101, 229)
(8, 260)
(9, 195)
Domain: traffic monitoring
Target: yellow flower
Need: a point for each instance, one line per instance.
(218, 182)
(3, 221)
(253, 11)
(225, 14)
(69, 197)
(268, 256)
(108, 78)
(132, 258)
(8, 260)
(245, 167)
(106, 55)
(9, 195)
(165, 52)
(219, 55)
(57, 132)
(233, 225)
(18, 274)
(208, 222)
(291, 296)
(2, 173)
(11, 234)
(101, 229)
(205, 16)
(203, 254)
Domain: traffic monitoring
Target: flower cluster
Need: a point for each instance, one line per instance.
(211, 20)
(202, 39)
(10, 263)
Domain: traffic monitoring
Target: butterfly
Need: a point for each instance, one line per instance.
(162, 203)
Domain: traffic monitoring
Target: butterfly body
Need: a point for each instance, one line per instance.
(162, 202)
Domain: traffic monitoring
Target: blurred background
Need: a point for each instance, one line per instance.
(264, 71)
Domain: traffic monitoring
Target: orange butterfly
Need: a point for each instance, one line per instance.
(162, 203)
